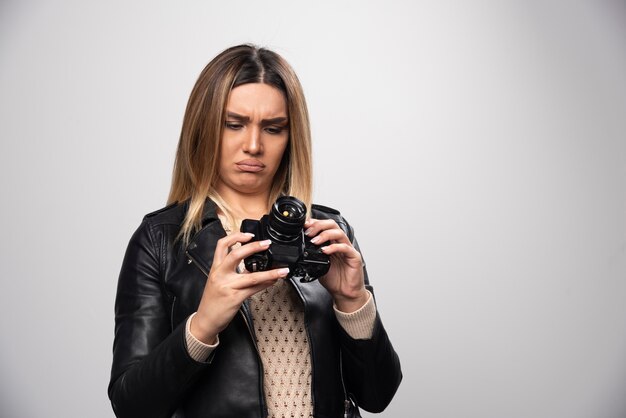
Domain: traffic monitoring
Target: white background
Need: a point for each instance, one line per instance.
(478, 147)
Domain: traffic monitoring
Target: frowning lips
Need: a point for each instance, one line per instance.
(250, 165)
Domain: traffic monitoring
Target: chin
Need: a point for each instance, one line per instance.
(251, 188)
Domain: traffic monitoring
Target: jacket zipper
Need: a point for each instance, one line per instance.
(346, 401)
(244, 314)
(195, 262)
(308, 334)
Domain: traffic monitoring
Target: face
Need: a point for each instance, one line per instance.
(254, 139)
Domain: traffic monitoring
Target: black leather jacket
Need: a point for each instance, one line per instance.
(161, 284)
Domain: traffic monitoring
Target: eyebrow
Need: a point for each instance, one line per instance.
(241, 118)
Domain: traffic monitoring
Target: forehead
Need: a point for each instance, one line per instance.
(257, 99)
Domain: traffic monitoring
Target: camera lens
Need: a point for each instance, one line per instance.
(286, 219)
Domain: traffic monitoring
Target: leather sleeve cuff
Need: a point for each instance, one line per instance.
(198, 350)
(359, 324)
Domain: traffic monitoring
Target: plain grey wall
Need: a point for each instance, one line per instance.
(478, 148)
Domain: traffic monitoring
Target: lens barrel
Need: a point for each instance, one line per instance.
(286, 219)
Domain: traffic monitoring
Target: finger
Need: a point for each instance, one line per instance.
(235, 256)
(250, 280)
(347, 250)
(317, 225)
(247, 292)
(335, 234)
(223, 245)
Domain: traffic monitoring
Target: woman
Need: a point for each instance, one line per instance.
(197, 335)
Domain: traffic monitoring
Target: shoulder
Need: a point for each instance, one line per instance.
(172, 214)
(158, 230)
(162, 225)
(326, 212)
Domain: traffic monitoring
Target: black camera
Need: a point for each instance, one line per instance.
(284, 226)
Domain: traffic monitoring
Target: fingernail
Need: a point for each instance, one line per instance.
(323, 248)
(250, 234)
(265, 243)
(283, 272)
(308, 231)
(315, 239)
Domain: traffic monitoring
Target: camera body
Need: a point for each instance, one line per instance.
(284, 226)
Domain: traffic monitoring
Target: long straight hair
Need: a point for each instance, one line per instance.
(196, 168)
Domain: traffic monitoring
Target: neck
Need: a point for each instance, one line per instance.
(245, 205)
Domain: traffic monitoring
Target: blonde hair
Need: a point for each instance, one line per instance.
(196, 168)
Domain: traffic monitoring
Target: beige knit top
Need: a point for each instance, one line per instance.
(282, 342)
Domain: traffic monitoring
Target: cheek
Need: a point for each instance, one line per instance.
(281, 145)
(227, 150)
(278, 150)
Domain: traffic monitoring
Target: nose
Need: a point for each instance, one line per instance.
(252, 143)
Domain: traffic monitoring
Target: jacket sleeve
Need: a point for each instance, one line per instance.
(152, 369)
(371, 367)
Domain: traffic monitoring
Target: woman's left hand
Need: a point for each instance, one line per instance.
(345, 278)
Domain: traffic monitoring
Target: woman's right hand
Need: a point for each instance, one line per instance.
(225, 289)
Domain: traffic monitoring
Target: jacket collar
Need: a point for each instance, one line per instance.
(209, 212)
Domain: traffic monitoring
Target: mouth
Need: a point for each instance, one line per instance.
(250, 165)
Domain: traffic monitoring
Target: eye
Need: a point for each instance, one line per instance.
(274, 130)
(235, 126)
